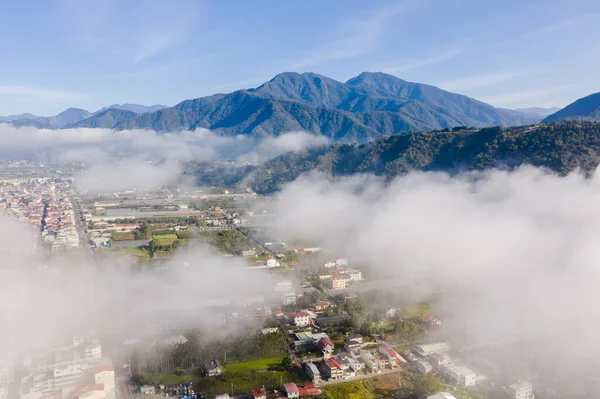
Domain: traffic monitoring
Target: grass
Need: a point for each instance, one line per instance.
(256, 259)
(243, 382)
(363, 389)
(164, 240)
(260, 364)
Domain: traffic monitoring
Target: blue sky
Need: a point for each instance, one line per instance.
(89, 54)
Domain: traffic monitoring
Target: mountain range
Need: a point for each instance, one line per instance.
(361, 109)
(561, 147)
(74, 115)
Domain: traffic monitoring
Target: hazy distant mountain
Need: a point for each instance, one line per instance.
(538, 111)
(11, 118)
(561, 146)
(67, 117)
(586, 108)
(103, 119)
(137, 108)
(365, 107)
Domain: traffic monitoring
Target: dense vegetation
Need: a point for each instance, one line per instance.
(561, 147)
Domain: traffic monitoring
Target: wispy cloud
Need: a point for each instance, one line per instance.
(353, 40)
(528, 97)
(486, 79)
(154, 43)
(576, 21)
(39, 93)
(423, 62)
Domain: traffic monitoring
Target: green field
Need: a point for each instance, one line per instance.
(254, 364)
(164, 240)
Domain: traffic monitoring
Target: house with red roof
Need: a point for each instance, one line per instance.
(309, 389)
(300, 319)
(331, 369)
(326, 346)
(392, 356)
(291, 390)
(259, 393)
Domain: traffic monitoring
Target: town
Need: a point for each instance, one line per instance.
(325, 329)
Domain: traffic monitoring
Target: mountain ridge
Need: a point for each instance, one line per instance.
(585, 108)
(365, 107)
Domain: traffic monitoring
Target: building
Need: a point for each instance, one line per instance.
(442, 395)
(213, 369)
(309, 390)
(355, 275)
(326, 346)
(93, 352)
(289, 298)
(520, 390)
(271, 262)
(331, 370)
(338, 282)
(291, 390)
(105, 375)
(459, 375)
(438, 359)
(426, 350)
(422, 367)
(393, 357)
(389, 312)
(352, 342)
(259, 393)
(320, 306)
(300, 319)
(222, 396)
(341, 262)
(372, 362)
(312, 372)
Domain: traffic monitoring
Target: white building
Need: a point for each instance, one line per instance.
(429, 349)
(341, 262)
(105, 375)
(92, 352)
(372, 362)
(460, 375)
(423, 367)
(300, 319)
(521, 390)
(355, 275)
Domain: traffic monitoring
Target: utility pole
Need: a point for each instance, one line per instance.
(231, 388)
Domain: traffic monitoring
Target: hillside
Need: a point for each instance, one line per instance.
(365, 107)
(586, 108)
(561, 147)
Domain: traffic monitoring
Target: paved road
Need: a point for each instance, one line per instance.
(125, 388)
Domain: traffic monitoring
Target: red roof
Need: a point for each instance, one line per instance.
(332, 363)
(290, 388)
(323, 342)
(259, 392)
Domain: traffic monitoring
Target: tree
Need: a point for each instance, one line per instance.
(286, 362)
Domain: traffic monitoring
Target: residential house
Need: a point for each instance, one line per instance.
(312, 372)
(248, 253)
(259, 393)
(422, 367)
(289, 298)
(350, 363)
(520, 390)
(321, 306)
(438, 359)
(372, 362)
(271, 262)
(300, 319)
(459, 375)
(353, 342)
(393, 357)
(354, 275)
(329, 265)
(326, 346)
(213, 368)
(309, 390)
(338, 282)
(331, 369)
(105, 375)
(341, 262)
(291, 390)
